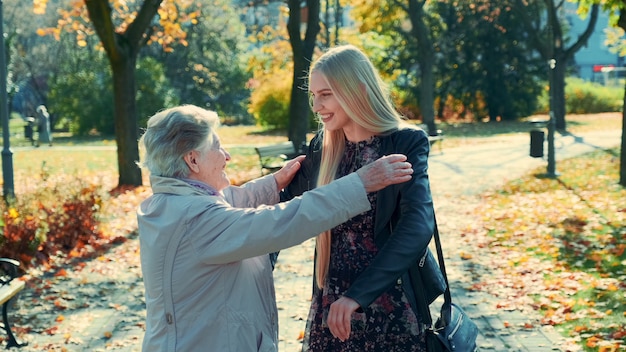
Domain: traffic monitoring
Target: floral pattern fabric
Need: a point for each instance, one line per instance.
(388, 324)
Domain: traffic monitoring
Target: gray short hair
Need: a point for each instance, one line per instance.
(173, 133)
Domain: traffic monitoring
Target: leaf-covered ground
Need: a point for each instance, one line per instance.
(558, 246)
(66, 303)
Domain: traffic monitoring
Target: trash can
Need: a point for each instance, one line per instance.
(537, 137)
(28, 132)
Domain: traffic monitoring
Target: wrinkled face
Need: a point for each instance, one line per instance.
(208, 165)
(326, 105)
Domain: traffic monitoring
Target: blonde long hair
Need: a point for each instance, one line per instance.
(365, 98)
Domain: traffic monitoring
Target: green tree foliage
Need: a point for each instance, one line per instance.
(617, 10)
(270, 63)
(30, 58)
(209, 70)
(546, 28)
(71, 94)
(488, 65)
(269, 104)
(123, 28)
(409, 57)
(72, 101)
(475, 51)
(154, 89)
(584, 97)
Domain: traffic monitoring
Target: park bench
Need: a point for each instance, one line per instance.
(273, 157)
(10, 286)
(434, 138)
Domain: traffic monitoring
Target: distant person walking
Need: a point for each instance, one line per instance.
(43, 126)
(29, 131)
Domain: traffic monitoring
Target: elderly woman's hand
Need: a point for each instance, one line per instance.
(287, 172)
(387, 170)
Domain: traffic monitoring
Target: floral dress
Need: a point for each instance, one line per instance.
(388, 324)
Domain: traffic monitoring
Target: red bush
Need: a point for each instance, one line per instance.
(52, 219)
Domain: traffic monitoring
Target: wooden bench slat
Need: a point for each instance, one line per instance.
(10, 286)
(272, 157)
(9, 290)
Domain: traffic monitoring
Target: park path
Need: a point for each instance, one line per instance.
(98, 306)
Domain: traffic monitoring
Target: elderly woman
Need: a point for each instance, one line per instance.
(205, 244)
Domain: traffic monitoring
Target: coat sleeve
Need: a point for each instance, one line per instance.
(224, 234)
(412, 232)
(306, 178)
(251, 194)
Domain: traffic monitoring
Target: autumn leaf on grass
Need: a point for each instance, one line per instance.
(60, 304)
(51, 330)
(580, 328)
(466, 256)
(60, 318)
(108, 334)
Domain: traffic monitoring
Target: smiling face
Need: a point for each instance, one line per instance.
(208, 165)
(325, 104)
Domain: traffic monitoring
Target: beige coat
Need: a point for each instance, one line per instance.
(207, 276)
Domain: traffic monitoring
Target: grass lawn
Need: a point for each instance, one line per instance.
(92, 153)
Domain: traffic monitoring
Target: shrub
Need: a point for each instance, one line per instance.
(269, 103)
(583, 97)
(59, 216)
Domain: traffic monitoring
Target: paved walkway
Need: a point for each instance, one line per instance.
(466, 174)
(100, 306)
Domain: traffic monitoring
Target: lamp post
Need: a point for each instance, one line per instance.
(551, 172)
(7, 156)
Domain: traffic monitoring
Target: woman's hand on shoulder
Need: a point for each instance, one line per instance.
(287, 172)
(385, 171)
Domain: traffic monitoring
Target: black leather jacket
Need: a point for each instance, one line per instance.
(404, 215)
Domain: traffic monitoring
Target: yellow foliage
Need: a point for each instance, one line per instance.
(74, 19)
(13, 213)
(39, 6)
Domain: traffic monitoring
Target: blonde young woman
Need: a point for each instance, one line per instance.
(363, 299)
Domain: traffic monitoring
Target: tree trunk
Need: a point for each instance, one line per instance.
(562, 55)
(622, 166)
(126, 133)
(122, 50)
(426, 59)
(427, 95)
(299, 109)
(299, 106)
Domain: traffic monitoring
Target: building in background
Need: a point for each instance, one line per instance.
(594, 62)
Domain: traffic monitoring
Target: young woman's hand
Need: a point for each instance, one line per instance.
(340, 317)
